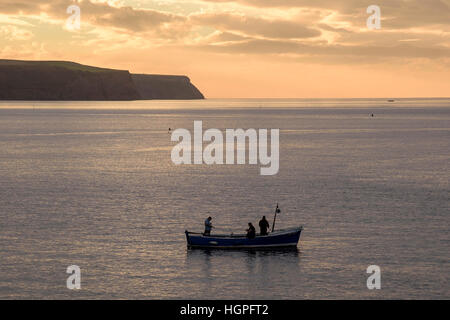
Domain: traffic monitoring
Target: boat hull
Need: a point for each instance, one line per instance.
(278, 239)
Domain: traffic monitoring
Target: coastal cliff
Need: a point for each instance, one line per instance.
(61, 80)
(165, 87)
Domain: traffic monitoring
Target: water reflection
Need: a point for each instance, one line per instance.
(248, 253)
(245, 272)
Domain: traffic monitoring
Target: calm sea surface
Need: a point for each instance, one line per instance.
(92, 184)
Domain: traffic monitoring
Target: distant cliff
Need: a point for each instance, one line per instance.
(61, 80)
(165, 87)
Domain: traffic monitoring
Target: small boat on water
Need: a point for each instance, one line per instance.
(277, 239)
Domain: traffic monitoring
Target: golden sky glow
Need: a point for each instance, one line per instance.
(247, 48)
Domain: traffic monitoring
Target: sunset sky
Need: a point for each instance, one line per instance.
(247, 48)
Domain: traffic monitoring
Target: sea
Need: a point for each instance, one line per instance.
(92, 184)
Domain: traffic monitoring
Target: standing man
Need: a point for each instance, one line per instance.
(263, 226)
(208, 226)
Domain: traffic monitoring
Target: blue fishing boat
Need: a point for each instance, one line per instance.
(276, 239)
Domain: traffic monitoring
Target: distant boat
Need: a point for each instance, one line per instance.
(277, 239)
(391, 100)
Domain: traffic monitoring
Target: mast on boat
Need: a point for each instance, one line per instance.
(277, 210)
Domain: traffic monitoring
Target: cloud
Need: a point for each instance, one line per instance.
(253, 26)
(97, 14)
(12, 32)
(366, 54)
(400, 13)
(225, 37)
(320, 29)
(127, 18)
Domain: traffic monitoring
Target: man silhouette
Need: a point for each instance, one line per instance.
(208, 226)
(263, 226)
(251, 232)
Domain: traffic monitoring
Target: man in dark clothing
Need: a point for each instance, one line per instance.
(251, 231)
(263, 226)
(208, 226)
